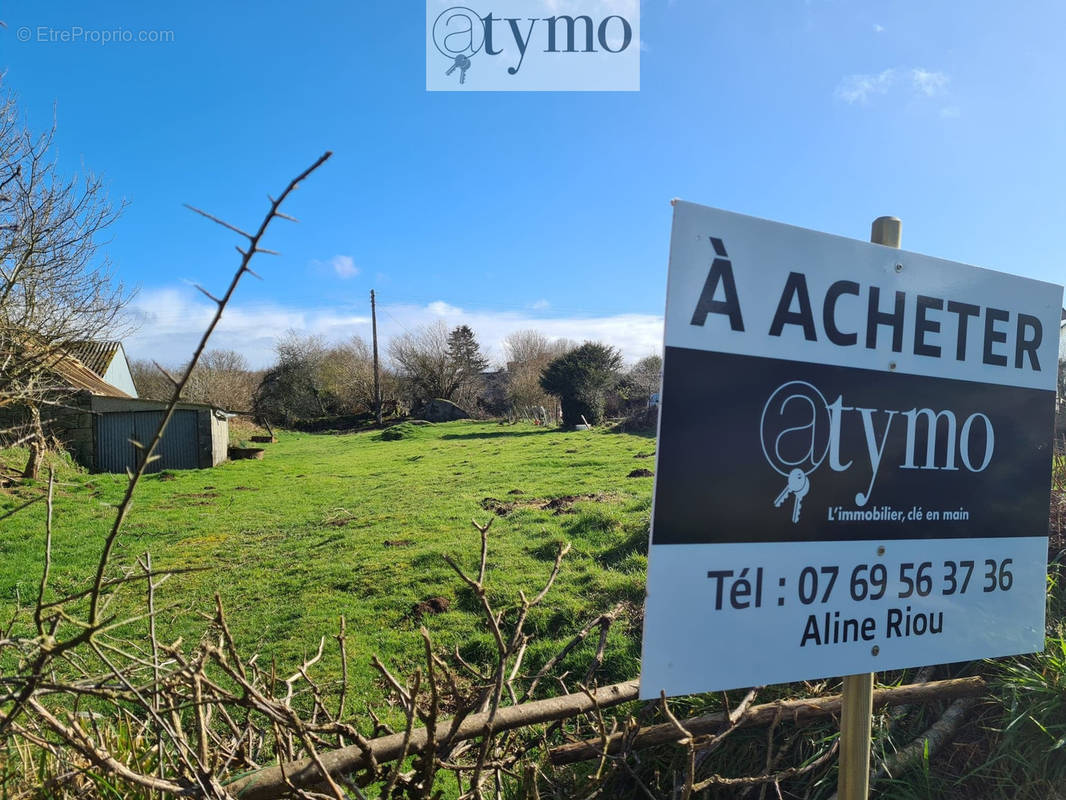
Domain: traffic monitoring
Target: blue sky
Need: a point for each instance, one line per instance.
(547, 210)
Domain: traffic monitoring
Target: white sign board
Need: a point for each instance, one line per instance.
(854, 459)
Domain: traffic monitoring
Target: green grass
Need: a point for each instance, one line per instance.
(357, 525)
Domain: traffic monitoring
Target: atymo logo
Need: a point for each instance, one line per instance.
(800, 429)
(523, 45)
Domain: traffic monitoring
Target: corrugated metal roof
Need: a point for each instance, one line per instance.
(97, 356)
(67, 369)
(78, 376)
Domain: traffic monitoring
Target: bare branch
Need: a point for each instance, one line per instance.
(124, 506)
(221, 222)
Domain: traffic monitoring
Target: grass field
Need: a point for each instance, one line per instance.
(356, 525)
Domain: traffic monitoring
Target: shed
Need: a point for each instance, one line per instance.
(197, 436)
(98, 422)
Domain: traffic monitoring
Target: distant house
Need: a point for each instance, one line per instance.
(98, 421)
(109, 361)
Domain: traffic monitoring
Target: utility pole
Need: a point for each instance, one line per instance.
(377, 370)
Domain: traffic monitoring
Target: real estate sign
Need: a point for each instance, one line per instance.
(854, 459)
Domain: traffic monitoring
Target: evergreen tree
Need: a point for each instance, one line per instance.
(465, 353)
(466, 362)
(581, 379)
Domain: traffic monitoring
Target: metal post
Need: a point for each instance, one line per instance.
(856, 713)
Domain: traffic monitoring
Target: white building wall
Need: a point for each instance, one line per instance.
(118, 373)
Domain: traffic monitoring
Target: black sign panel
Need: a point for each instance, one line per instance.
(739, 425)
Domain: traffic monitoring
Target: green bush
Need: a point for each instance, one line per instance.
(581, 380)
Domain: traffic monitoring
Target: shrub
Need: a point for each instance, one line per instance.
(581, 379)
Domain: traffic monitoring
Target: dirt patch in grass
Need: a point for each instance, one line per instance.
(433, 605)
(557, 505)
(497, 507)
(564, 505)
(339, 517)
(640, 473)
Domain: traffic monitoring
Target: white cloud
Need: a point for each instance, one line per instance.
(927, 82)
(540, 305)
(860, 88)
(442, 309)
(172, 321)
(344, 266)
(879, 28)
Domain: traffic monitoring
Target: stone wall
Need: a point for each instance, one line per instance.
(69, 421)
(74, 426)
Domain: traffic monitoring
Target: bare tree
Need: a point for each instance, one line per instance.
(223, 379)
(314, 379)
(293, 389)
(426, 364)
(647, 375)
(347, 374)
(56, 287)
(529, 352)
(150, 382)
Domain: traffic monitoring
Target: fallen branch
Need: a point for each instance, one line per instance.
(794, 710)
(926, 745)
(271, 782)
(929, 742)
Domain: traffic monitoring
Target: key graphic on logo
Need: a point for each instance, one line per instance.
(798, 485)
(459, 34)
(462, 63)
(794, 432)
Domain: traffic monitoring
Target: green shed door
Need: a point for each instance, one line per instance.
(115, 452)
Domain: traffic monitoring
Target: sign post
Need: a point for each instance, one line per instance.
(853, 463)
(856, 712)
